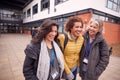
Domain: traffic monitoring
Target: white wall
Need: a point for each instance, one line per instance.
(101, 6)
(67, 7)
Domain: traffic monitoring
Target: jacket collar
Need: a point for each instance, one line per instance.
(70, 37)
(98, 37)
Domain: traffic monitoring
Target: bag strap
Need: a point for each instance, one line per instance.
(66, 40)
(64, 43)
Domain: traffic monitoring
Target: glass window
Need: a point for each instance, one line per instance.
(60, 28)
(45, 4)
(24, 14)
(113, 5)
(109, 5)
(28, 12)
(102, 18)
(95, 16)
(35, 9)
(65, 18)
(9, 15)
(115, 1)
(57, 2)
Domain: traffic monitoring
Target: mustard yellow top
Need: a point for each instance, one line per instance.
(71, 51)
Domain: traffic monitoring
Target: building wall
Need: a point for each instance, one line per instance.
(111, 30)
(85, 17)
(112, 33)
(66, 7)
(100, 5)
(27, 32)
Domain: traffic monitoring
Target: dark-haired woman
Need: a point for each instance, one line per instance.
(44, 59)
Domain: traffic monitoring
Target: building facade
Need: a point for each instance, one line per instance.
(10, 21)
(35, 11)
(60, 10)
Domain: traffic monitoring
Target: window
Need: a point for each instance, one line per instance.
(115, 1)
(95, 16)
(58, 20)
(24, 14)
(35, 9)
(60, 28)
(65, 18)
(28, 12)
(114, 5)
(110, 19)
(59, 1)
(113, 20)
(45, 4)
(109, 5)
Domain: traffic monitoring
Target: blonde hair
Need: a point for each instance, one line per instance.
(99, 23)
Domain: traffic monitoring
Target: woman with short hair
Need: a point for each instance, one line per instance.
(94, 53)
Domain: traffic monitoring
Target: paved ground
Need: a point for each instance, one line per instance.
(12, 56)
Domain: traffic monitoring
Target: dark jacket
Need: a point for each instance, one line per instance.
(33, 32)
(98, 58)
(32, 55)
(32, 52)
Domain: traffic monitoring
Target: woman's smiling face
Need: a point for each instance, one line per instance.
(93, 29)
(77, 29)
(51, 35)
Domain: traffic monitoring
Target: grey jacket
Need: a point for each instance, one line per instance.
(98, 58)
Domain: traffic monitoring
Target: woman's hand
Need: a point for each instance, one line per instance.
(70, 76)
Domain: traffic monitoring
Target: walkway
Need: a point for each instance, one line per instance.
(12, 56)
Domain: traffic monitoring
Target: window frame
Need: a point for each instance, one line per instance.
(29, 12)
(35, 9)
(45, 4)
(113, 5)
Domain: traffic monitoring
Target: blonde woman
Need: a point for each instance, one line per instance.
(94, 53)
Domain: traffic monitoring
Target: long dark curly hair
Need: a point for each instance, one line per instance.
(45, 28)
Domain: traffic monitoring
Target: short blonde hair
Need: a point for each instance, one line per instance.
(99, 23)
